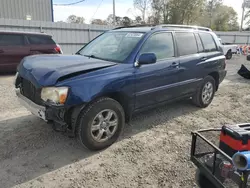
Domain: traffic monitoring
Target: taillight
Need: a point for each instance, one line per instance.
(58, 49)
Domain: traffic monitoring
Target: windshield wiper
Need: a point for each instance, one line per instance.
(91, 56)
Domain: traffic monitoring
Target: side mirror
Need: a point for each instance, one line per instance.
(147, 58)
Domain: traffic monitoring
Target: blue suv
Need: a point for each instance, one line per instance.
(126, 70)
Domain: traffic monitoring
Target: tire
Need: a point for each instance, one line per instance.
(202, 181)
(229, 55)
(248, 58)
(94, 121)
(198, 96)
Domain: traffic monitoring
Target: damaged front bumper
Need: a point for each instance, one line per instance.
(37, 110)
(47, 113)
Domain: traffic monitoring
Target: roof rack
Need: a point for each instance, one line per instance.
(167, 26)
(184, 27)
(138, 25)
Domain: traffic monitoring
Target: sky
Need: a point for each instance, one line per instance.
(89, 9)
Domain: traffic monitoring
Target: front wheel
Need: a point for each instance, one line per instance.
(101, 123)
(205, 93)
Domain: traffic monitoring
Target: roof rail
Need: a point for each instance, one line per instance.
(185, 27)
(138, 25)
(167, 26)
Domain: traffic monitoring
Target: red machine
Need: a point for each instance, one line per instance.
(234, 138)
(214, 153)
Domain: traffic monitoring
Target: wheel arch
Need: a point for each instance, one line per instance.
(71, 117)
(124, 101)
(216, 77)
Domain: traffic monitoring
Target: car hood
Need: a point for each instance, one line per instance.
(45, 70)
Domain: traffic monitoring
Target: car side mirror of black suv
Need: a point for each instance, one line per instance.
(147, 58)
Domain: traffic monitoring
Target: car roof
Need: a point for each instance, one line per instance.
(146, 28)
(23, 33)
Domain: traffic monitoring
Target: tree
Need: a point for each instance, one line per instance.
(109, 19)
(211, 7)
(142, 6)
(98, 22)
(138, 20)
(176, 11)
(126, 21)
(75, 19)
(225, 19)
(247, 17)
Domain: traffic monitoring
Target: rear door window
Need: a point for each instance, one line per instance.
(186, 43)
(36, 39)
(208, 42)
(161, 44)
(11, 40)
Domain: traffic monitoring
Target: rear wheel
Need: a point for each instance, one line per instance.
(101, 123)
(205, 93)
(229, 55)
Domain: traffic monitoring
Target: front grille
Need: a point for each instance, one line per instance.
(30, 91)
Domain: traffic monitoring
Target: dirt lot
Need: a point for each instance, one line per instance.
(152, 152)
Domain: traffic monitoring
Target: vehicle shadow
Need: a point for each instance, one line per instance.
(29, 147)
(161, 115)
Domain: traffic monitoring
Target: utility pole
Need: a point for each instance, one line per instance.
(114, 20)
(243, 13)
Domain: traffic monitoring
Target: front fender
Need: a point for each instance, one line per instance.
(84, 90)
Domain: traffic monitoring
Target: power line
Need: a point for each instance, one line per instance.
(69, 3)
(97, 9)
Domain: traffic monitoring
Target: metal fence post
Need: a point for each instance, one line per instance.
(89, 35)
(41, 28)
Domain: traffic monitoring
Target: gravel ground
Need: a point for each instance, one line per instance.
(152, 152)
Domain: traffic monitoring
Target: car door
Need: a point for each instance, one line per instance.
(190, 53)
(156, 83)
(12, 51)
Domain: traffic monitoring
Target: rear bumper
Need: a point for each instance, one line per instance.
(37, 110)
(222, 75)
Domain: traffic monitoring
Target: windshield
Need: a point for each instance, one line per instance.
(112, 46)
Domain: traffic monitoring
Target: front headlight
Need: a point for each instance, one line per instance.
(57, 95)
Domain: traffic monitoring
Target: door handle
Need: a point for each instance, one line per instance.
(203, 58)
(174, 65)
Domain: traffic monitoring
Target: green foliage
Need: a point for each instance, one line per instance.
(75, 19)
(208, 13)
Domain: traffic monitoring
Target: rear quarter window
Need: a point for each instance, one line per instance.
(186, 43)
(36, 39)
(11, 40)
(208, 42)
(199, 43)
